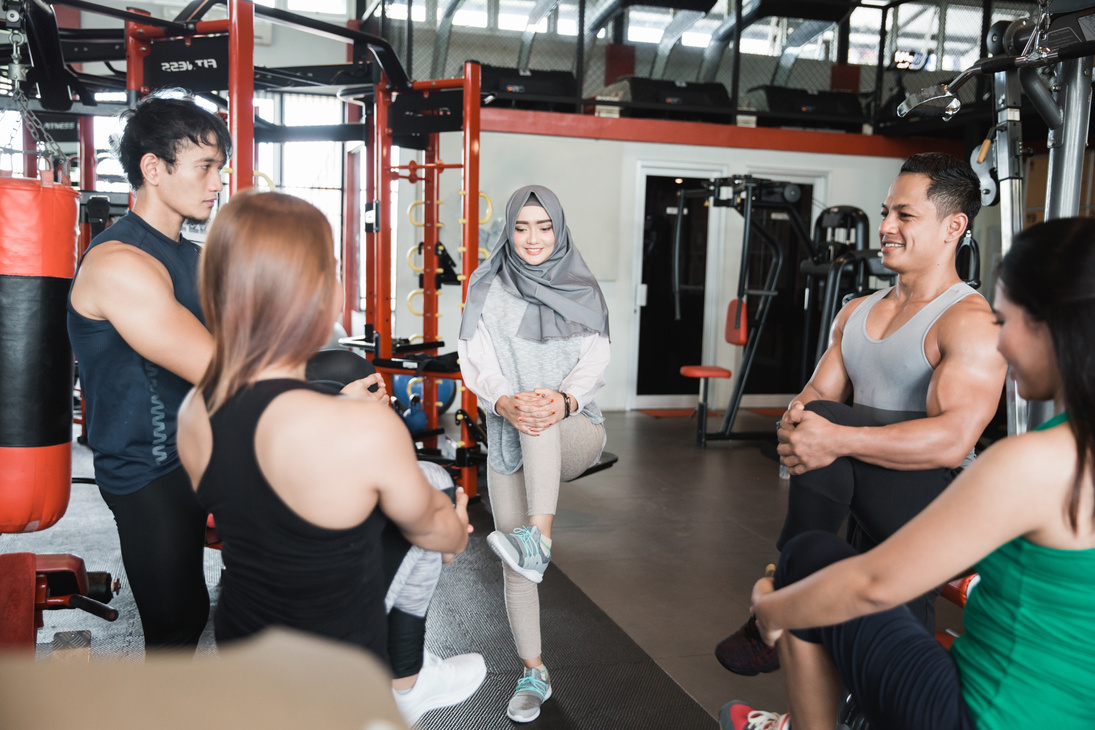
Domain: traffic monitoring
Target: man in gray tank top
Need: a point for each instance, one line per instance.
(919, 363)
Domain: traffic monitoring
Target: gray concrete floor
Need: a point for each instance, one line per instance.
(669, 542)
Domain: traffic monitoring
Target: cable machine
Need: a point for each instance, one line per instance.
(1053, 40)
(743, 193)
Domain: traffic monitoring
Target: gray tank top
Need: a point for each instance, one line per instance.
(890, 377)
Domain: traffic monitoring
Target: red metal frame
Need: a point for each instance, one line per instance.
(378, 174)
(379, 259)
(241, 92)
(240, 27)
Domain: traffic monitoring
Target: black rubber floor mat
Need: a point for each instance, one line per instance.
(600, 678)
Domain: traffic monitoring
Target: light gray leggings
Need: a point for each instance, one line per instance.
(416, 579)
(560, 453)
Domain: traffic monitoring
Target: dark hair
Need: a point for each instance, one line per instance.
(953, 185)
(161, 125)
(1049, 271)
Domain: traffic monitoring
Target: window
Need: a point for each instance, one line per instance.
(917, 31)
(326, 7)
(398, 11)
(961, 37)
(472, 14)
(863, 27)
(110, 178)
(313, 170)
(647, 24)
(514, 15)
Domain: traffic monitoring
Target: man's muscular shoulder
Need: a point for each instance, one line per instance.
(114, 272)
(968, 324)
(845, 312)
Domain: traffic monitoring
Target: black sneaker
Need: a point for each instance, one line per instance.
(745, 653)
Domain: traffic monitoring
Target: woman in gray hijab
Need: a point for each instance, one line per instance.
(534, 349)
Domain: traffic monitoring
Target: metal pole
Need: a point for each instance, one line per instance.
(735, 83)
(470, 241)
(581, 51)
(1007, 96)
(370, 217)
(136, 48)
(1066, 160)
(430, 291)
(410, 40)
(241, 92)
(382, 266)
(351, 231)
(1066, 146)
(880, 71)
(86, 130)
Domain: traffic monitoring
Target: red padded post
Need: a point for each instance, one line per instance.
(737, 329)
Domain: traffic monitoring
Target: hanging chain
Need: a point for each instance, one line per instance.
(43, 140)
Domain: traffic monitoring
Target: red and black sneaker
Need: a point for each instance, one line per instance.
(745, 653)
(740, 716)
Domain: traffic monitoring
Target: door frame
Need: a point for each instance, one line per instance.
(716, 241)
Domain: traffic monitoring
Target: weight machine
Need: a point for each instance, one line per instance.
(1056, 41)
(743, 193)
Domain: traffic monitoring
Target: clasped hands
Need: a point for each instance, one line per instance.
(806, 440)
(532, 411)
(762, 588)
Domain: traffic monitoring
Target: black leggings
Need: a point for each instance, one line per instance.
(900, 676)
(162, 532)
(879, 501)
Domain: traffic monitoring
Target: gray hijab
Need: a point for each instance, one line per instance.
(562, 294)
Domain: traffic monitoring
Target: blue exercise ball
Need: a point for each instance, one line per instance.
(446, 391)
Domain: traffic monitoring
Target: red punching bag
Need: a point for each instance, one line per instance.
(37, 263)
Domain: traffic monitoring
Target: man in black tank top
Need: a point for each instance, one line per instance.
(920, 397)
(136, 327)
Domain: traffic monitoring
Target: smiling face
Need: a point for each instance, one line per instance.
(192, 185)
(913, 235)
(533, 235)
(1027, 345)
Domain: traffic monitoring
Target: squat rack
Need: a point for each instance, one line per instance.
(415, 117)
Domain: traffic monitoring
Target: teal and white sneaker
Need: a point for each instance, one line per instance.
(533, 689)
(523, 550)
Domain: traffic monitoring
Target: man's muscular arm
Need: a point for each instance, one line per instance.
(830, 379)
(133, 291)
(962, 398)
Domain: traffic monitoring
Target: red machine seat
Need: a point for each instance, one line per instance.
(958, 590)
(704, 371)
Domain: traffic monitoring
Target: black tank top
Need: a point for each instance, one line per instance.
(281, 569)
(132, 403)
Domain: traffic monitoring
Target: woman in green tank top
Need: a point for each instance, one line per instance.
(1023, 514)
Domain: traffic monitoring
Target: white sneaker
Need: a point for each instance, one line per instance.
(441, 683)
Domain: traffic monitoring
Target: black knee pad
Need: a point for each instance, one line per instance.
(406, 640)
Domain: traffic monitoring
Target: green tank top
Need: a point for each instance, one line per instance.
(1026, 656)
